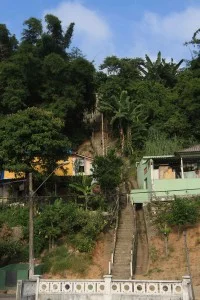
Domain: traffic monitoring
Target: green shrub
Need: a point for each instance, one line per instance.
(14, 215)
(24, 253)
(55, 221)
(183, 212)
(153, 252)
(59, 260)
(107, 170)
(10, 249)
(94, 225)
(82, 242)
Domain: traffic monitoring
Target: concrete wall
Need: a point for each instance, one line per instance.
(144, 173)
(144, 179)
(178, 187)
(140, 196)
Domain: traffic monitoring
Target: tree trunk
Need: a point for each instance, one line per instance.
(122, 139)
(86, 201)
(49, 243)
(166, 245)
(129, 138)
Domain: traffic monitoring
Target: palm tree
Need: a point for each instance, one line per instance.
(123, 113)
(135, 120)
(160, 70)
(115, 109)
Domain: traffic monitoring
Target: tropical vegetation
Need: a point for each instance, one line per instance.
(48, 90)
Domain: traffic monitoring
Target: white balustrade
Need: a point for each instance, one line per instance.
(137, 287)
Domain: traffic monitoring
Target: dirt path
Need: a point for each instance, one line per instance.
(142, 249)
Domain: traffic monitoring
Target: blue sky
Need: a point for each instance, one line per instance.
(126, 28)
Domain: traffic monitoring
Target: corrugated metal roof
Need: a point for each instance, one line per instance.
(158, 156)
(195, 148)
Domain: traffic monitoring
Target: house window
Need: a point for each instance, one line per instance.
(79, 166)
(81, 169)
(145, 184)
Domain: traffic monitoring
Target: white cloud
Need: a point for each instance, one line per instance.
(92, 33)
(166, 33)
(174, 26)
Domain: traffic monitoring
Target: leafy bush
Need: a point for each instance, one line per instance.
(94, 225)
(107, 170)
(51, 222)
(83, 243)
(180, 212)
(183, 212)
(96, 202)
(14, 215)
(60, 260)
(10, 249)
(84, 240)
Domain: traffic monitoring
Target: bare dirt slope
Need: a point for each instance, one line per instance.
(100, 261)
(174, 266)
(101, 256)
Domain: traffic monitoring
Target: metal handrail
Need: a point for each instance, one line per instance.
(133, 253)
(111, 262)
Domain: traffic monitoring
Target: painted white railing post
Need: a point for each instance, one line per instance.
(112, 257)
(109, 268)
(108, 281)
(186, 283)
(19, 290)
(37, 277)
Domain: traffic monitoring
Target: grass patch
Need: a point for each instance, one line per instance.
(60, 259)
(153, 252)
(155, 270)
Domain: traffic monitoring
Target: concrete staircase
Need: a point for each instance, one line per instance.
(121, 266)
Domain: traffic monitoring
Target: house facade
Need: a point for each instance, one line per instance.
(164, 177)
(13, 184)
(10, 183)
(77, 165)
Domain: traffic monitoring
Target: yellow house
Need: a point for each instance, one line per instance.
(76, 164)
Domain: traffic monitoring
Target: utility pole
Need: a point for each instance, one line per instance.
(102, 135)
(188, 262)
(31, 228)
(31, 250)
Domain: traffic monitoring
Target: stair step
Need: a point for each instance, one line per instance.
(126, 248)
(121, 266)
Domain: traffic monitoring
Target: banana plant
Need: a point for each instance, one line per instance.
(85, 188)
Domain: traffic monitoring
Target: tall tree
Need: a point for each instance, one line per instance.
(54, 28)
(124, 113)
(32, 31)
(29, 138)
(68, 35)
(8, 43)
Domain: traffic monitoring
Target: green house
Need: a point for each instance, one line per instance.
(164, 177)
